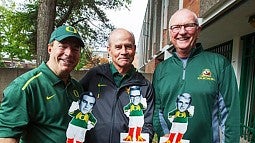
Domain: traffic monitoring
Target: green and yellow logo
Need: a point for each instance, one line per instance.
(81, 116)
(71, 29)
(49, 97)
(75, 93)
(100, 85)
(205, 75)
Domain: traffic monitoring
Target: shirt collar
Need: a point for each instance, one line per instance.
(115, 72)
(50, 74)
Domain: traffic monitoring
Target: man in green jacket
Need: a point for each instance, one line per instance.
(207, 77)
(35, 105)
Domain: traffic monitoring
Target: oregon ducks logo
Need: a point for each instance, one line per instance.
(81, 116)
(180, 114)
(206, 75)
(71, 29)
(135, 107)
(75, 93)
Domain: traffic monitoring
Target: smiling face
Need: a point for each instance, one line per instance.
(122, 49)
(64, 56)
(185, 38)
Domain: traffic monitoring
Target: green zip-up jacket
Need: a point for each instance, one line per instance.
(210, 80)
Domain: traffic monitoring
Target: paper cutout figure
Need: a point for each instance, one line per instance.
(134, 110)
(82, 120)
(179, 118)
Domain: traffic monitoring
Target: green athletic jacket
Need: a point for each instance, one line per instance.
(210, 80)
(35, 107)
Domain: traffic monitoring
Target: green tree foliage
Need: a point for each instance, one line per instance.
(89, 17)
(84, 59)
(17, 34)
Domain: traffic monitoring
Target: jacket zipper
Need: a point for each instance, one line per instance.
(184, 64)
(183, 73)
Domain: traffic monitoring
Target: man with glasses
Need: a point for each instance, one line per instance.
(209, 79)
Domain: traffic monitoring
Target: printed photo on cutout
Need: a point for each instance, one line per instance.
(134, 111)
(82, 118)
(179, 119)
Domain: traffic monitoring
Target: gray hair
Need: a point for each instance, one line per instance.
(118, 30)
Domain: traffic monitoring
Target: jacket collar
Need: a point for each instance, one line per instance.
(194, 51)
(136, 78)
(54, 79)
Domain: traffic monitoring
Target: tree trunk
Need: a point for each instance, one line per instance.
(45, 25)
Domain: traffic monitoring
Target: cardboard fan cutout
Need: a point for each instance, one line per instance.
(134, 110)
(82, 120)
(179, 119)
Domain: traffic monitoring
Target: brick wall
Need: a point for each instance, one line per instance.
(7, 75)
(192, 5)
(207, 6)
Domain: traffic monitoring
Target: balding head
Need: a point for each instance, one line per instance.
(179, 13)
(184, 31)
(118, 31)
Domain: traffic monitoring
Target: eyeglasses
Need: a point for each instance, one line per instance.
(187, 27)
